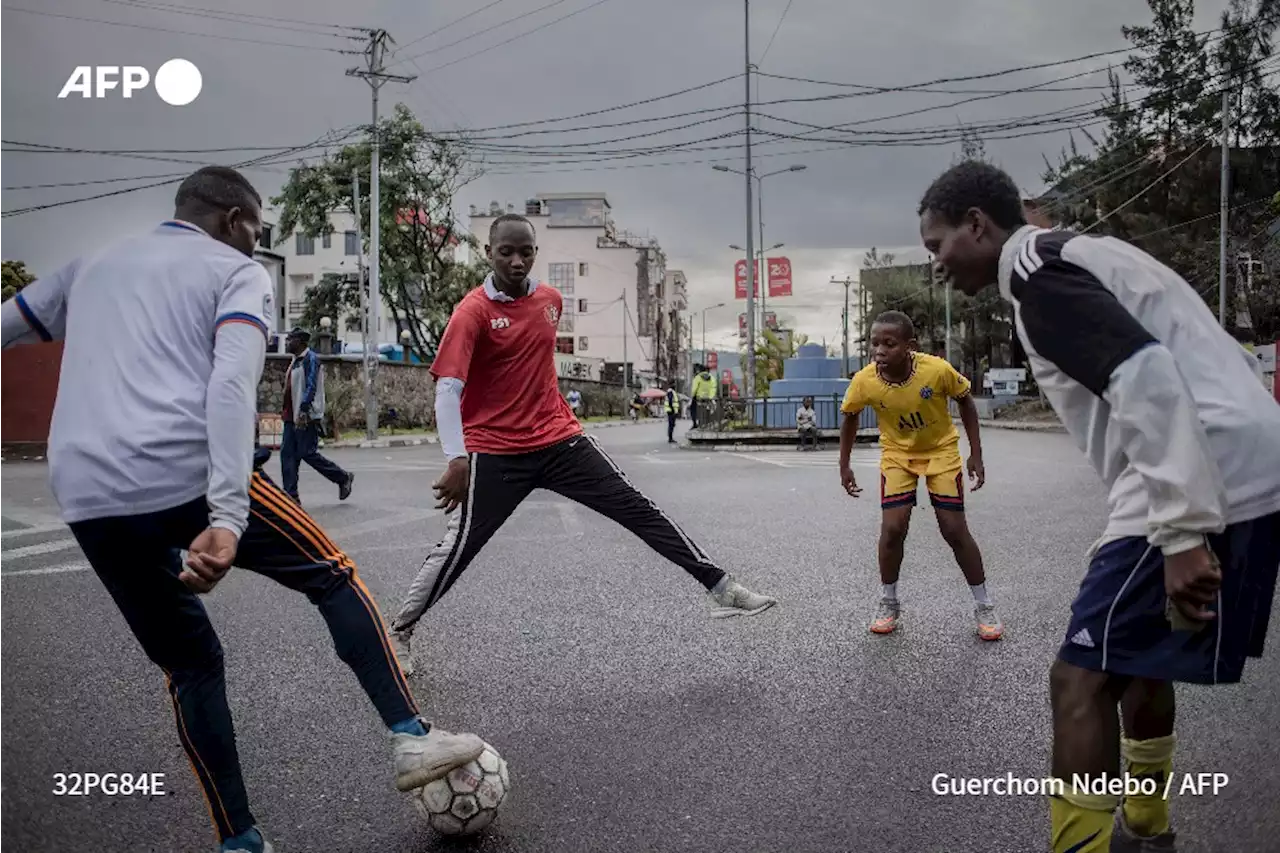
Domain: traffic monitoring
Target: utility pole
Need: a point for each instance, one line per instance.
(1223, 207)
(751, 252)
(375, 75)
(368, 347)
(844, 368)
(625, 389)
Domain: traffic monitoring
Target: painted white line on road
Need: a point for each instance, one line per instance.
(36, 550)
(569, 520)
(52, 527)
(50, 570)
(350, 530)
(656, 460)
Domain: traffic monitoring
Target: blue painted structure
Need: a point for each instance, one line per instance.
(812, 373)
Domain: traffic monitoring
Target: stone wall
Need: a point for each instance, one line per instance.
(408, 389)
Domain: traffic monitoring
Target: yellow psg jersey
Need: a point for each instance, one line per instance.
(913, 415)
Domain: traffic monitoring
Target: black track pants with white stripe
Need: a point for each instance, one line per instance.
(577, 468)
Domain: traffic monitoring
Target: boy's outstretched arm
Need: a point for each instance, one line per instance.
(969, 417)
(848, 434)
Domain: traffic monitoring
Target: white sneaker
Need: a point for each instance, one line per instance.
(404, 653)
(733, 599)
(420, 760)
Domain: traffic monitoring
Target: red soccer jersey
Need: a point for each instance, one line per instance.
(504, 352)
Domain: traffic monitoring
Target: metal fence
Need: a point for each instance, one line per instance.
(774, 413)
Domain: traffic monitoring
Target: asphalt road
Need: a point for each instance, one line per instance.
(631, 721)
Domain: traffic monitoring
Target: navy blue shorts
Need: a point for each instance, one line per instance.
(1118, 621)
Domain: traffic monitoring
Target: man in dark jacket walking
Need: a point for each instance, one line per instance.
(303, 413)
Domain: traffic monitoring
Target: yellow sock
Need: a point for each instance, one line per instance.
(1148, 815)
(1082, 823)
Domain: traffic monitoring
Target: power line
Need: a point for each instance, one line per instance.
(196, 9)
(516, 37)
(439, 30)
(93, 183)
(775, 32)
(1150, 186)
(262, 22)
(278, 156)
(639, 103)
(482, 32)
(179, 32)
(884, 90)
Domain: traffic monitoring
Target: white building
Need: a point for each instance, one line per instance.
(305, 260)
(600, 271)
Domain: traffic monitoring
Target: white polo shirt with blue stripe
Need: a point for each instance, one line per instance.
(130, 427)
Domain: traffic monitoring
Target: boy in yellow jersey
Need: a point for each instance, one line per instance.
(909, 392)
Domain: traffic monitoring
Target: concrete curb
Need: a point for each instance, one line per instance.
(1023, 426)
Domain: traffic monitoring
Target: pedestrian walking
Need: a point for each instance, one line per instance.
(303, 416)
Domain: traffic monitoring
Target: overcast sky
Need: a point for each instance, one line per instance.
(264, 91)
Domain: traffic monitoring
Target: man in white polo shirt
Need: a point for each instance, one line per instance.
(150, 452)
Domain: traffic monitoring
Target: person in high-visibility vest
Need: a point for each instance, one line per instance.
(671, 404)
(705, 387)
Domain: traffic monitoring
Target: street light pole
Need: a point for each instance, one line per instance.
(764, 279)
(751, 254)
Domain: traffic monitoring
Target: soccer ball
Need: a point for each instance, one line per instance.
(467, 800)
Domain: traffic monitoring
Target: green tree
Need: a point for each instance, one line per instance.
(772, 352)
(16, 277)
(421, 282)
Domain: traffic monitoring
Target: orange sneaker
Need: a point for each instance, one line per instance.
(989, 626)
(886, 617)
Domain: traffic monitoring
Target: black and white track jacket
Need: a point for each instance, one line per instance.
(1166, 404)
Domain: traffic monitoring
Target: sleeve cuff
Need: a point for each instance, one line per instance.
(237, 528)
(1180, 542)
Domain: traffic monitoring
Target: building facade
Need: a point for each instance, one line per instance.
(618, 295)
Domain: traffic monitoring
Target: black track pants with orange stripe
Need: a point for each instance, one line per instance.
(136, 558)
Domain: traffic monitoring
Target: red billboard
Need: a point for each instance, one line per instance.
(726, 378)
(779, 277)
(713, 360)
(740, 280)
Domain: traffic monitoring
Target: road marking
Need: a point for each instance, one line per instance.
(52, 527)
(569, 520)
(36, 550)
(350, 530)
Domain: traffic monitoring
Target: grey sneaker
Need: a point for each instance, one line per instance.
(886, 620)
(266, 846)
(404, 654)
(1125, 840)
(731, 598)
(344, 491)
(422, 759)
(989, 625)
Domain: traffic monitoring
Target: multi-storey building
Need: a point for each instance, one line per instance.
(306, 260)
(614, 283)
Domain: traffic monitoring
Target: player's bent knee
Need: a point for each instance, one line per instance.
(1073, 690)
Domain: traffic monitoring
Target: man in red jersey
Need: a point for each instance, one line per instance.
(506, 430)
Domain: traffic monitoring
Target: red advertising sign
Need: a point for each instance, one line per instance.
(713, 360)
(740, 280)
(779, 277)
(726, 377)
(742, 327)
(771, 320)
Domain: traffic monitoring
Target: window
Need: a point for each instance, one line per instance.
(304, 245)
(582, 344)
(326, 242)
(582, 306)
(564, 345)
(350, 243)
(566, 322)
(560, 276)
(582, 269)
(265, 242)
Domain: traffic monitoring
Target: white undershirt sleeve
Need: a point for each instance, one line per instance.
(449, 416)
(239, 354)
